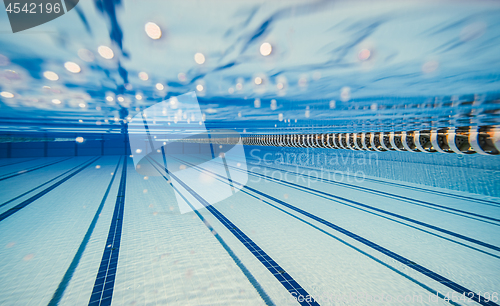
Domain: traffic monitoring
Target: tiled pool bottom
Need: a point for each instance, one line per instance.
(80, 230)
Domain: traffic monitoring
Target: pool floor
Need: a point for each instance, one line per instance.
(93, 231)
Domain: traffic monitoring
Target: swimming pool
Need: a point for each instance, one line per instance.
(244, 153)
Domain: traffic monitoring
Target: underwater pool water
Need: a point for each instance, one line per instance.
(251, 153)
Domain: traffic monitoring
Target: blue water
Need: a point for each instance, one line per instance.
(81, 223)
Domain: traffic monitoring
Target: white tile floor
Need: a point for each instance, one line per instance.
(167, 258)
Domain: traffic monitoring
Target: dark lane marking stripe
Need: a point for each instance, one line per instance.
(23, 161)
(315, 192)
(102, 293)
(39, 186)
(415, 266)
(424, 286)
(226, 247)
(402, 223)
(481, 201)
(58, 294)
(279, 273)
(14, 174)
(385, 194)
(27, 202)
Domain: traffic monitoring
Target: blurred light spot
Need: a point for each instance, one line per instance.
(81, 121)
(82, 105)
(273, 104)
(205, 178)
(56, 101)
(50, 75)
(145, 191)
(79, 139)
(98, 108)
(109, 98)
(316, 75)
(105, 52)
(143, 76)
(239, 86)
(332, 104)
(230, 90)
(473, 31)
(199, 87)
(138, 151)
(302, 81)
(256, 103)
(29, 257)
(238, 165)
(280, 117)
(199, 58)
(258, 80)
(364, 54)
(86, 55)
(307, 113)
(239, 114)
(153, 30)
(6, 94)
(430, 66)
(128, 86)
(345, 93)
(280, 86)
(72, 67)
(373, 107)
(10, 244)
(138, 97)
(98, 167)
(120, 99)
(146, 178)
(182, 167)
(266, 49)
(285, 196)
(160, 86)
(182, 77)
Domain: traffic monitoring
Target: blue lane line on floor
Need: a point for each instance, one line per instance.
(41, 185)
(27, 202)
(279, 273)
(385, 194)
(447, 194)
(23, 161)
(424, 286)
(439, 229)
(394, 220)
(226, 247)
(102, 293)
(58, 294)
(14, 174)
(441, 279)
